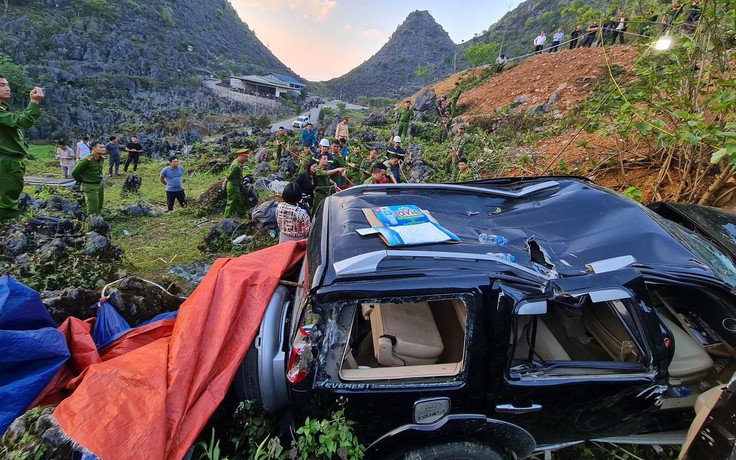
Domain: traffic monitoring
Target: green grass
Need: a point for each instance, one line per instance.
(153, 243)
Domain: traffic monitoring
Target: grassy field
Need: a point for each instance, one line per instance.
(152, 243)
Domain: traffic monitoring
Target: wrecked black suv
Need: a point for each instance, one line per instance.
(567, 312)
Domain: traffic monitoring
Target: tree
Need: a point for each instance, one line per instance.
(16, 76)
(482, 54)
(424, 71)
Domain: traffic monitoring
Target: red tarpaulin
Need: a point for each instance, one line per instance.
(152, 401)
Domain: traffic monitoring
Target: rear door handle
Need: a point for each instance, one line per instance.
(511, 409)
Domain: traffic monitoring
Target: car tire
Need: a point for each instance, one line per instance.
(245, 384)
(454, 451)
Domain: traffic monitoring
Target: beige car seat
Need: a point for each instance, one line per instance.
(404, 334)
(691, 362)
(546, 344)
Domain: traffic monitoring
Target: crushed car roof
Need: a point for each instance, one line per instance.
(561, 223)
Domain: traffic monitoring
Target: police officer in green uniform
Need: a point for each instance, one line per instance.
(323, 183)
(233, 182)
(404, 117)
(13, 148)
(88, 172)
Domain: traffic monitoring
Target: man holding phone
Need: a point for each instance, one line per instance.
(14, 148)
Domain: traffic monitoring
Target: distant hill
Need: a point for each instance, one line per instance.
(113, 63)
(517, 29)
(419, 52)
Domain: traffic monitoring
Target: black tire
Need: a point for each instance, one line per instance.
(454, 451)
(245, 383)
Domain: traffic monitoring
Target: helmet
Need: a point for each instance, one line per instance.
(324, 143)
(397, 139)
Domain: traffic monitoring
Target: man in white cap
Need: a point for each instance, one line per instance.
(396, 149)
(324, 149)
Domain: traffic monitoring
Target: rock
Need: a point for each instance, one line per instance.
(213, 199)
(138, 301)
(413, 130)
(521, 100)
(131, 185)
(221, 234)
(28, 203)
(65, 206)
(415, 168)
(17, 428)
(380, 146)
(265, 214)
(100, 226)
(375, 119)
(367, 136)
(97, 245)
(16, 243)
(288, 166)
(536, 109)
(54, 437)
(51, 251)
(77, 302)
(138, 210)
(50, 226)
(425, 101)
(262, 169)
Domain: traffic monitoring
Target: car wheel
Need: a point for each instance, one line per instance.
(246, 384)
(454, 451)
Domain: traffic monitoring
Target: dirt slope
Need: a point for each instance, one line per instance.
(540, 76)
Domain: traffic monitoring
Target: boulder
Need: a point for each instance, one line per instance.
(415, 168)
(375, 119)
(535, 109)
(425, 101)
(97, 245)
(77, 302)
(139, 210)
(262, 169)
(221, 235)
(265, 214)
(131, 185)
(138, 301)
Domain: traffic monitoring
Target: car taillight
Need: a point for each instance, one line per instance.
(301, 356)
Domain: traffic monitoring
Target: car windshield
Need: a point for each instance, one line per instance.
(718, 262)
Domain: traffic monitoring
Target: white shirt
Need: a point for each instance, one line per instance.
(84, 151)
(540, 40)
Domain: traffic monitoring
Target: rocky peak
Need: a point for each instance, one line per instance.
(418, 52)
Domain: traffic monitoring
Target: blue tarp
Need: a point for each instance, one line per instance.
(31, 349)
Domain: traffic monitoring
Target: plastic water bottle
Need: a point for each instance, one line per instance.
(495, 240)
(502, 255)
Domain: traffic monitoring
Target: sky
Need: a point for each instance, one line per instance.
(323, 39)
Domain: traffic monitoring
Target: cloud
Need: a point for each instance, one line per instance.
(372, 33)
(312, 10)
(347, 26)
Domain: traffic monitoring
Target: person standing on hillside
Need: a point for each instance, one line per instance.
(441, 105)
(403, 117)
(66, 158)
(608, 30)
(457, 145)
(455, 97)
(366, 166)
(14, 148)
(556, 40)
(342, 131)
(113, 155)
(233, 183)
(309, 138)
(501, 62)
(323, 183)
(574, 37)
(396, 149)
(463, 173)
(393, 169)
(620, 30)
(83, 150)
(134, 150)
(88, 172)
(590, 35)
(171, 177)
(446, 126)
(282, 140)
(539, 43)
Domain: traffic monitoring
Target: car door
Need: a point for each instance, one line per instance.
(560, 390)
